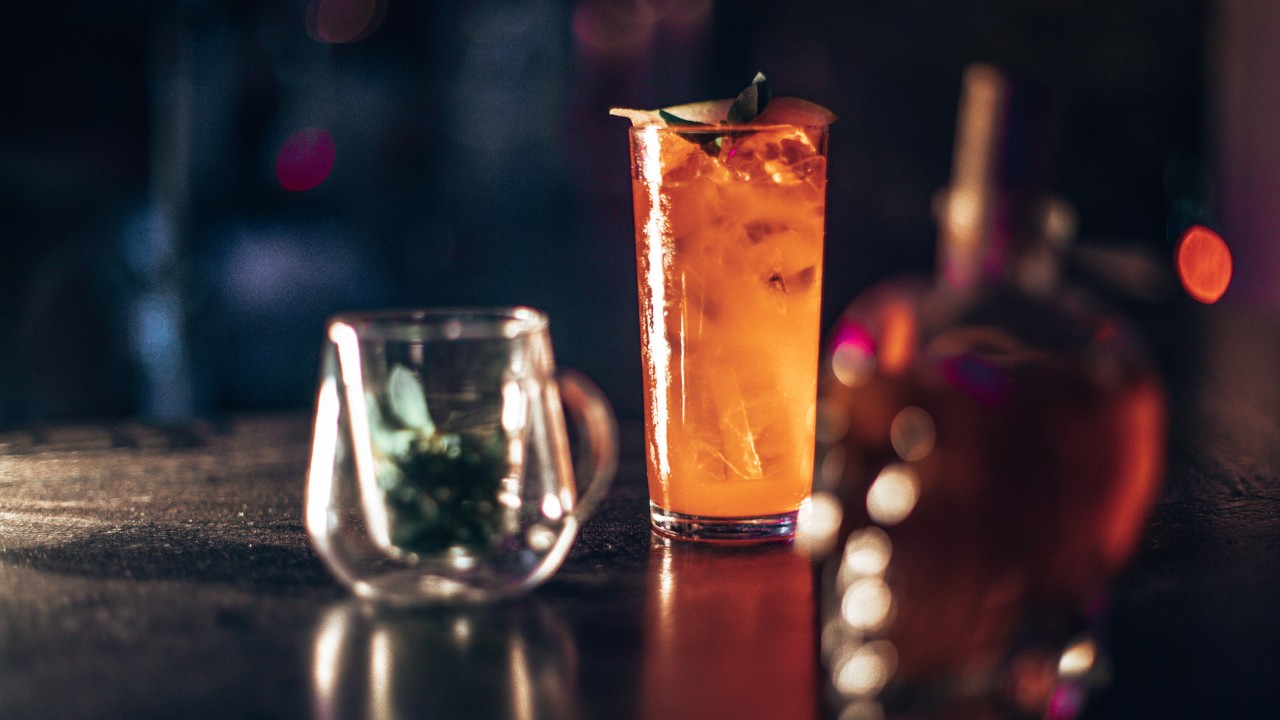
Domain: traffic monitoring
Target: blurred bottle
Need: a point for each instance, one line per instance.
(995, 442)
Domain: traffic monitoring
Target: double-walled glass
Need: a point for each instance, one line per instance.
(441, 466)
(729, 237)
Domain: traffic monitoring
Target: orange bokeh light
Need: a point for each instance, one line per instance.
(897, 337)
(1204, 264)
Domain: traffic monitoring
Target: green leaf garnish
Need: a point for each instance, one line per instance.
(408, 400)
(440, 489)
(706, 112)
(445, 494)
(751, 101)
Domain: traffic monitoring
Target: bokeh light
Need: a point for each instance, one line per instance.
(1204, 264)
(1078, 658)
(853, 354)
(897, 337)
(866, 604)
(817, 524)
(912, 433)
(893, 495)
(862, 710)
(865, 669)
(343, 21)
(866, 552)
(305, 159)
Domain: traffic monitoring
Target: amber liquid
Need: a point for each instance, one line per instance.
(1044, 461)
(729, 234)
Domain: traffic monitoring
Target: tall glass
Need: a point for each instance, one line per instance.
(729, 233)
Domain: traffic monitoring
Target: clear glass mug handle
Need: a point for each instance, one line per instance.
(596, 459)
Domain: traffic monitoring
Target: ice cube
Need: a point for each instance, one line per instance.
(686, 166)
(759, 230)
(802, 280)
(768, 154)
(780, 285)
(737, 439)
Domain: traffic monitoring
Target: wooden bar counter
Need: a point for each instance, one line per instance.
(164, 572)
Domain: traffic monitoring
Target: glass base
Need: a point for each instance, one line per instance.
(765, 528)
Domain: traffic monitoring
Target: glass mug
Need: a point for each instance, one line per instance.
(441, 466)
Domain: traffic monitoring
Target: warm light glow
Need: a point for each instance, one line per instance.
(1077, 659)
(657, 258)
(865, 669)
(305, 159)
(540, 538)
(862, 710)
(897, 337)
(893, 495)
(382, 664)
(817, 524)
(961, 219)
(1204, 264)
(325, 663)
(853, 355)
(1138, 477)
(552, 507)
(866, 552)
(515, 407)
(522, 681)
(461, 631)
(912, 434)
(866, 603)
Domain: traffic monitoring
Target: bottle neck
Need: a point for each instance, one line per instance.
(996, 221)
(992, 236)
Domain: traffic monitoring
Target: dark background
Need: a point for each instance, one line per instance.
(153, 265)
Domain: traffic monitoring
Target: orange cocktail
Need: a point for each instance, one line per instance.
(729, 234)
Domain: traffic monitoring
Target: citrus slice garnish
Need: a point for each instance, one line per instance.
(795, 112)
(706, 112)
(755, 106)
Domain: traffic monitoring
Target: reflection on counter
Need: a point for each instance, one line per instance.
(729, 632)
(963, 650)
(513, 660)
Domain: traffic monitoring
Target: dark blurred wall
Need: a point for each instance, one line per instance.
(156, 264)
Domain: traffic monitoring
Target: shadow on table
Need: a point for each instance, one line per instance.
(159, 552)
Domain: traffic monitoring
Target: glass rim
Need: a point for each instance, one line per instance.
(442, 323)
(704, 129)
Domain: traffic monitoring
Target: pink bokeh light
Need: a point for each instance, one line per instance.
(305, 159)
(343, 21)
